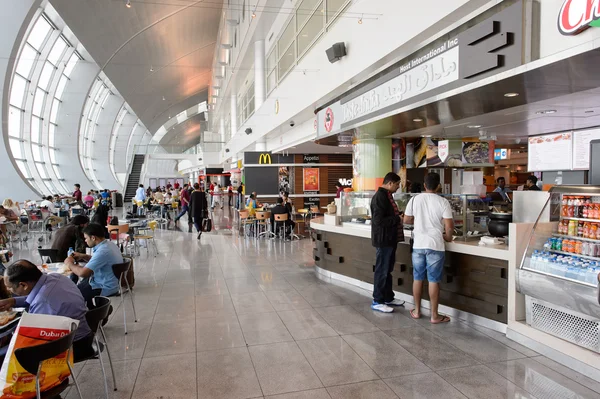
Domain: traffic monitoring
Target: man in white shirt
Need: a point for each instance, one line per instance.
(140, 193)
(431, 216)
(48, 204)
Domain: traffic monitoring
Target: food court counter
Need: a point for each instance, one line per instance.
(474, 284)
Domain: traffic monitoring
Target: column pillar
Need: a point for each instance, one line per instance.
(372, 160)
(259, 73)
(260, 145)
(233, 114)
(222, 129)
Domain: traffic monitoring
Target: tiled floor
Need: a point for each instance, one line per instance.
(228, 317)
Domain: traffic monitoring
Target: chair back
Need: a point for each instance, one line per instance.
(98, 312)
(121, 268)
(244, 214)
(139, 203)
(152, 225)
(261, 215)
(48, 253)
(314, 209)
(282, 217)
(175, 205)
(117, 229)
(30, 357)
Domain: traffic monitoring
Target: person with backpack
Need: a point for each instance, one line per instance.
(198, 208)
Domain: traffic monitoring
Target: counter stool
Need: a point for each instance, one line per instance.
(245, 220)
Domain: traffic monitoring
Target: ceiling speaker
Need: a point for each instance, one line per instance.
(336, 52)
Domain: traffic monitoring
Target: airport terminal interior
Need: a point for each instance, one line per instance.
(296, 199)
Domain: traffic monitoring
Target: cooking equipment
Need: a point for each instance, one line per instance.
(498, 223)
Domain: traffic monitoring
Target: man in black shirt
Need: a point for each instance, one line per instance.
(70, 236)
(531, 184)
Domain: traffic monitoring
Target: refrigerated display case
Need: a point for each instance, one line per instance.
(559, 271)
(468, 210)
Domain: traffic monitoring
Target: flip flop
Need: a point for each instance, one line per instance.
(444, 319)
(413, 315)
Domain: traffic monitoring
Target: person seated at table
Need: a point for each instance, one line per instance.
(287, 203)
(48, 204)
(281, 209)
(251, 205)
(51, 294)
(101, 217)
(158, 196)
(70, 236)
(97, 277)
(88, 200)
(13, 206)
(9, 217)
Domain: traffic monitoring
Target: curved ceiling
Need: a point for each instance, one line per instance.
(157, 53)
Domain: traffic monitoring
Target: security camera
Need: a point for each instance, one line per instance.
(292, 123)
(199, 159)
(248, 131)
(226, 149)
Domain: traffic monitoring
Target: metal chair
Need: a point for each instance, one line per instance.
(245, 220)
(48, 253)
(94, 318)
(120, 271)
(148, 236)
(120, 231)
(31, 358)
(263, 219)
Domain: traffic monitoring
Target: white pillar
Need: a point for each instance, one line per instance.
(222, 129)
(261, 145)
(259, 73)
(233, 114)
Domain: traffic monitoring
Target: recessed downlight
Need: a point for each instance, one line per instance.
(426, 135)
(546, 111)
(473, 126)
(509, 95)
(417, 120)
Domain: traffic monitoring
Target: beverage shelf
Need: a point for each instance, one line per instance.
(581, 219)
(576, 238)
(531, 269)
(574, 254)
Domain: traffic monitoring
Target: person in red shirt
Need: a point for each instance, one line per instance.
(77, 193)
(176, 185)
(185, 204)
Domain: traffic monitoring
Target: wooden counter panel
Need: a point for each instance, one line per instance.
(470, 283)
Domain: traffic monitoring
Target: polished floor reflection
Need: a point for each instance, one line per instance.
(228, 317)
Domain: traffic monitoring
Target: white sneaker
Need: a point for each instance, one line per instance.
(395, 302)
(380, 307)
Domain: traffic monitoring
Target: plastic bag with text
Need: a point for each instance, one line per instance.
(35, 329)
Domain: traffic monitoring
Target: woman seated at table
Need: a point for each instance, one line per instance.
(8, 215)
(251, 205)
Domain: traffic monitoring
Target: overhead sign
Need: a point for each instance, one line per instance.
(310, 158)
(264, 158)
(345, 182)
(500, 154)
(575, 16)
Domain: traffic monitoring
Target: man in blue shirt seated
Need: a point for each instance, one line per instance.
(97, 274)
(51, 294)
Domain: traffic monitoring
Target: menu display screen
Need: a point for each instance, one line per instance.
(581, 147)
(550, 152)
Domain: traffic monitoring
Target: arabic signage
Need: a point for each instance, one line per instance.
(484, 49)
(431, 74)
(575, 16)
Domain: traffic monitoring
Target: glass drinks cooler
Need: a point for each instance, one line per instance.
(468, 210)
(559, 271)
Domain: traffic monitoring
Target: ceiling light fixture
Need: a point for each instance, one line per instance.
(417, 120)
(253, 14)
(510, 95)
(128, 4)
(360, 19)
(474, 126)
(546, 111)
(151, 68)
(426, 135)
(164, 98)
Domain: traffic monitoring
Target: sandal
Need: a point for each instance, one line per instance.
(444, 319)
(412, 314)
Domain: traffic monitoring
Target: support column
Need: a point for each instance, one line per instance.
(371, 162)
(259, 73)
(261, 145)
(233, 114)
(222, 129)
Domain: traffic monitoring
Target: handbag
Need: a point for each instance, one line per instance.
(207, 225)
